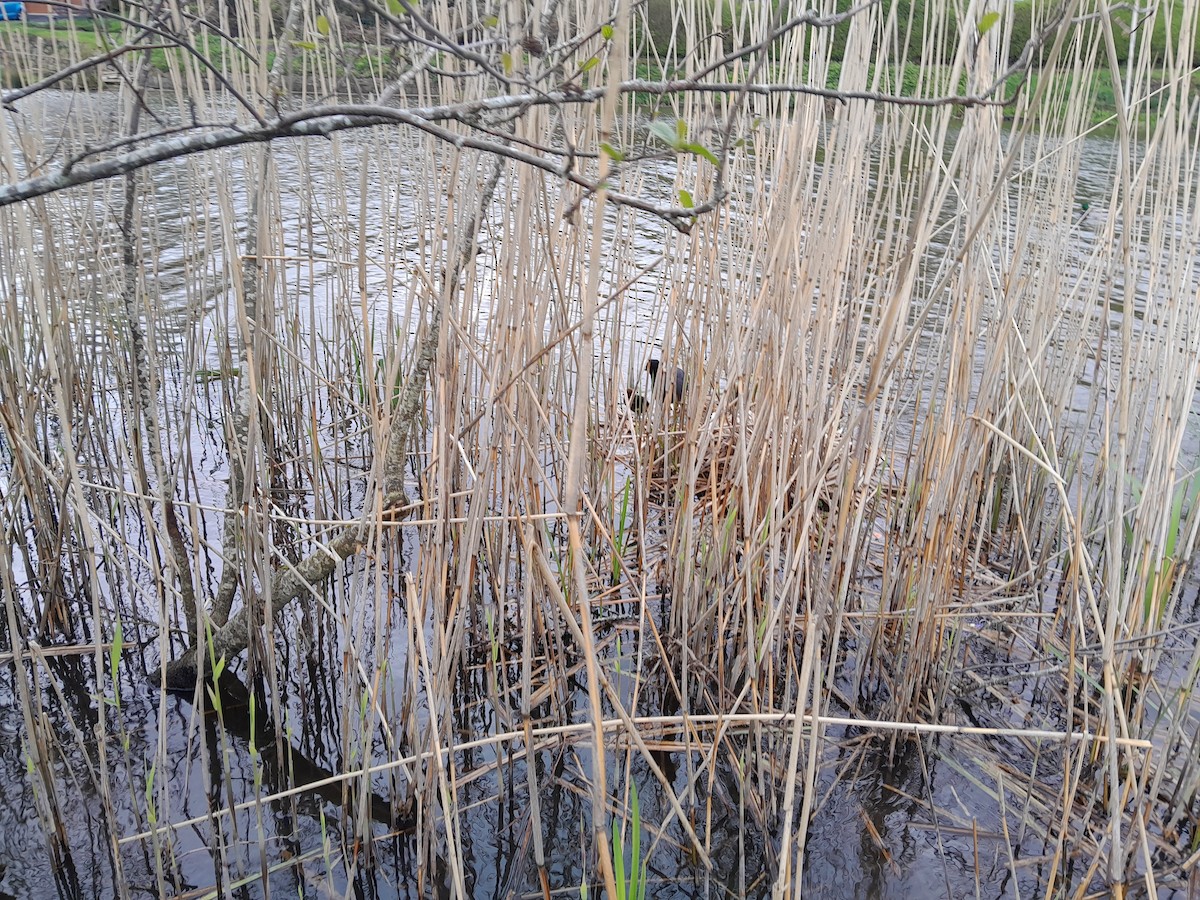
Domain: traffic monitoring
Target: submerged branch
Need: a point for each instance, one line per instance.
(287, 585)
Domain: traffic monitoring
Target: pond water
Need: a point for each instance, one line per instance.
(872, 833)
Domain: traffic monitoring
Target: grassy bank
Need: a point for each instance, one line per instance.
(48, 46)
(32, 46)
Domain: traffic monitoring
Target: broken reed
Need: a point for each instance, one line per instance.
(920, 397)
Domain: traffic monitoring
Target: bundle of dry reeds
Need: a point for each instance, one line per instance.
(906, 564)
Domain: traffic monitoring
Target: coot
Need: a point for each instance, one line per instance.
(652, 367)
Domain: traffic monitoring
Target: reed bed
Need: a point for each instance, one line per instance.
(896, 597)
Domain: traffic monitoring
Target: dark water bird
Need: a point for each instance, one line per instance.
(653, 367)
(637, 402)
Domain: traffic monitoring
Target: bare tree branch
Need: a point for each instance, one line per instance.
(323, 121)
